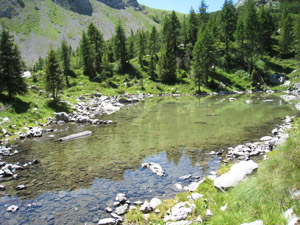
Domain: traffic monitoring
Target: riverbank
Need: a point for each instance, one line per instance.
(264, 196)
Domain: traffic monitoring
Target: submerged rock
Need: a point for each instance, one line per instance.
(12, 208)
(155, 168)
(107, 221)
(237, 173)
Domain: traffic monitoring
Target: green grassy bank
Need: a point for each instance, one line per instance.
(264, 195)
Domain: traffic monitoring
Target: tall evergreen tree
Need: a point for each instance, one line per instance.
(53, 76)
(174, 31)
(203, 15)
(240, 39)
(203, 57)
(251, 32)
(152, 42)
(131, 51)
(10, 66)
(229, 20)
(286, 34)
(297, 37)
(65, 56)
(120, 51)
(141, 47)
(192, 27)
(265, 30)
(87, 56)
(167, 60)
(96, 44)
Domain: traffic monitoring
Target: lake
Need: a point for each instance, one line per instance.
(76, 180)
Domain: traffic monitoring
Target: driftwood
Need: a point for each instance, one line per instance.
(75, 136)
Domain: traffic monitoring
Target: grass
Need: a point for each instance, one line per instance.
(262, 196)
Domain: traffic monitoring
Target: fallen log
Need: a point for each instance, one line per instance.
(75, 136)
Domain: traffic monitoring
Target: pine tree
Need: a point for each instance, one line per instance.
(286, 34)
(10, 66)
(203, 57)
(53, 76)
(65, 59)
(240, 39)
(96, 44)
(229, 20)
(192, 27)
(141, 48)
(167, 60)
(266, 29)
(152, 42)
(297, 37)
(131, 40)
(203, 15)
(87, 56)
(251, 32)
(120, 51)
(174, 31)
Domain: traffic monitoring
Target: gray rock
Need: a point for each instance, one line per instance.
(196, 196)
(155, 202)
(155, 168)
(194, 186)
(121, 198)
(2, 187)
(60, 122)
(236, 174)
(20, 187)
(180, 211)
(138, 203)
(121, 210)
(12, 208)
(107, 221)
(183, 222)
(146, 207)
(62, 116)
(109, 210)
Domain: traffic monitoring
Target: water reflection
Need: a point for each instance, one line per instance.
(76, 180)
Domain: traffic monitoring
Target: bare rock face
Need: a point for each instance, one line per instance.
(7, 8)
(80, 6)
(120, 4)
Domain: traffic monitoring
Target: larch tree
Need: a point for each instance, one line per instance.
(96, 44)
(10, 66)
(120, 51)
(53, 75)
(65, 56)
(87, 56)
(229, 20)
(203, 57)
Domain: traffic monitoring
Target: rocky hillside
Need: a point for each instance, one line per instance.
(37, 24)
(258, 2)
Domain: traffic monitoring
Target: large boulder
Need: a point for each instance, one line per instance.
(63, 116)
(237, 173)
(180, 211)
(107, 221)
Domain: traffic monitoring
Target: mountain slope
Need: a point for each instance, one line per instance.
(37, 24)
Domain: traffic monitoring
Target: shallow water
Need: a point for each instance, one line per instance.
(75, 181)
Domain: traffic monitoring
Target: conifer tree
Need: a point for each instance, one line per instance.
(96, 44)
(229, 20)
(203, 15)
(174, 31)
(65, 59)
(152, 43)
(141, 47)
(10, 66)
(251, 32)
(167, 60)
(192, 27)
(120, 51)
(131, 52)
(203, 57)
(87, 56)
(286, 34)
(240, 39)
(297, 37)
(266, 29)
(53, 76)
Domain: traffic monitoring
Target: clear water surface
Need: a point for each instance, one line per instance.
(76, 180)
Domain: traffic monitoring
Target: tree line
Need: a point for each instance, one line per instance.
(191, 45)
